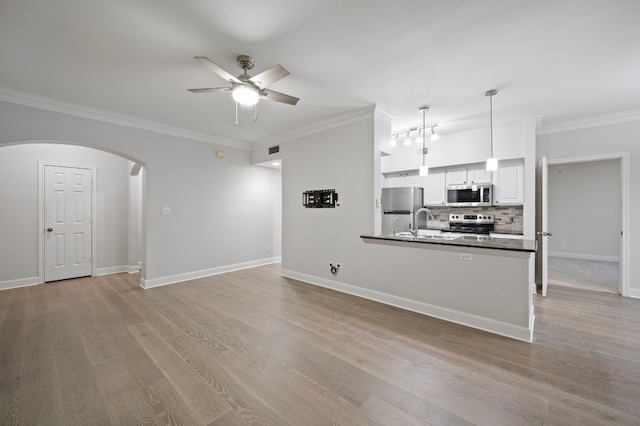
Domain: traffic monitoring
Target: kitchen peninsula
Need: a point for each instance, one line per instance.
(481, 282)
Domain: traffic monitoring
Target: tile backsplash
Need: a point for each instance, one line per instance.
(508, 219)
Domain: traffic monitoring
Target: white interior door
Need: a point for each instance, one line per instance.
(544, 231)
(67, 221)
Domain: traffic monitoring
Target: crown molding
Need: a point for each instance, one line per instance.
(587, 122)
(330, 123)
(63, 107)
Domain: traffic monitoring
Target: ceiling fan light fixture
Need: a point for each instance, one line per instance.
(245, 94)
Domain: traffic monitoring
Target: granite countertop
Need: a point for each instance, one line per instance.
(464, 241)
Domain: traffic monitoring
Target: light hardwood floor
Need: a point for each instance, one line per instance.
(251, 347)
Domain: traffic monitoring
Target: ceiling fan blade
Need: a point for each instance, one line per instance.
(210, 90)
(273, 74)
(272, 95)
(217, 69)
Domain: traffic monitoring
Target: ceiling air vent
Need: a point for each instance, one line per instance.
(274, 149)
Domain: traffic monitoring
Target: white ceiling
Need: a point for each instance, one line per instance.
(556, 59)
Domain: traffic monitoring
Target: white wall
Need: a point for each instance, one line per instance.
(221, 208)
(136, 217)
(606, 139)
(19, 214)
(340, 158)
(584, 210)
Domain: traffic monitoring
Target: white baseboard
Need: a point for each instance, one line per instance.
(22, 282)
(134, 269)
(634, 292)
(584, 256)
(172, 279)
(112, 270)
(486, 324)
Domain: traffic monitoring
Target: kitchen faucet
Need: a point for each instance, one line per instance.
(415, 219)
(395, 220)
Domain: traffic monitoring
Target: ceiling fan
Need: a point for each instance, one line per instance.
(247, 90)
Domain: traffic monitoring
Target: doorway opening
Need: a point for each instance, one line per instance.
(112, 208)
(587, 215)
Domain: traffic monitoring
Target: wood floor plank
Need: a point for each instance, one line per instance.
(204, 403)
(382, 412)
(252, 347)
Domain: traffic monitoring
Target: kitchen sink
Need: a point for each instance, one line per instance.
(445, 237)
(437, 237)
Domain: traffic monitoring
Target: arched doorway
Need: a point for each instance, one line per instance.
(119, 224)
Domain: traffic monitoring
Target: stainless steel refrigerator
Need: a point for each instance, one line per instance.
(398, 207)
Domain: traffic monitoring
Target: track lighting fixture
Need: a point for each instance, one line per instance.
(407, 140)
(434, 135)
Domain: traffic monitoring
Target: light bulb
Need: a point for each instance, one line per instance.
(407, 141)
(434, 135)
(245, 94)
(492, 164)
(394, 141)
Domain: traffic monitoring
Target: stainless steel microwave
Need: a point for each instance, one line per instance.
(470, 195)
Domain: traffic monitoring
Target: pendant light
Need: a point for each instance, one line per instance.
(492, 162)
(424, 169)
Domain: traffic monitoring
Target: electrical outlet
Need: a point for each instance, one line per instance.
(466, 256)
(268, 248)
(166, 210)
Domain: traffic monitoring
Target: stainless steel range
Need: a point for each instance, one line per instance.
(476, 223)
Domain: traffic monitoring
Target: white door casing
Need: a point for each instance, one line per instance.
(544, 231)
(625, 210)
(67, 225)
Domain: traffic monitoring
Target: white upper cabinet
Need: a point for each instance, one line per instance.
(478, 173)
(469, 174)
(456, 175)
(509, 183)
(434, 188)
(402, 158)
(393, 180)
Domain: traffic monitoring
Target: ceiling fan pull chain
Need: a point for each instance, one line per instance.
(236, 114)
(255, 112)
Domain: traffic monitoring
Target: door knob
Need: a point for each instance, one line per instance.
(49, 229)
